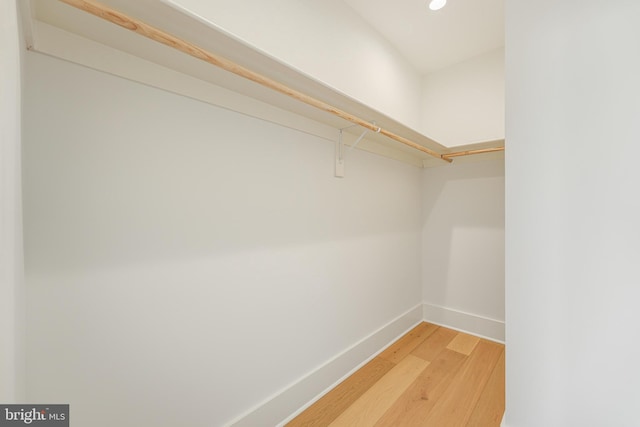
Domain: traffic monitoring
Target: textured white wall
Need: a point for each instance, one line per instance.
(185, 262)
(327, 40)
(572, 231)
(464, 103)
(11, 284)
(463, 245)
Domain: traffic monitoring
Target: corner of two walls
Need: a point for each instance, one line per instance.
(463, 247)
(463, 203)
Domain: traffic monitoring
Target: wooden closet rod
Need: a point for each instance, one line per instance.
(472, 152)
(167, 39)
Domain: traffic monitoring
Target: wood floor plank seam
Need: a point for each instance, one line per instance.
(365, 411)
(331, 405)
(414, 405)
(489, 409)
(463, 343)
(434, 343)
(406, 344)
(455, 406)
(432, 376)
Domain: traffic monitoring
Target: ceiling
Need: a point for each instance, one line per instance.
(431, 40)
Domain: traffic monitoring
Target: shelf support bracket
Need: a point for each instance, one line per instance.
(341, 152)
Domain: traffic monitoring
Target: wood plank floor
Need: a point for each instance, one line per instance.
(432, 376)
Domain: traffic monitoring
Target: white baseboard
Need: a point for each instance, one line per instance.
(289, 402)
(465, 322)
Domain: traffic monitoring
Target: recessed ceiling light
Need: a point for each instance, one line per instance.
(437, 4)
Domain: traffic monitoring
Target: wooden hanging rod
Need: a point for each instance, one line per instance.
(167, 39)
(472, 152)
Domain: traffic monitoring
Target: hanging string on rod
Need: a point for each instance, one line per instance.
(191, 49)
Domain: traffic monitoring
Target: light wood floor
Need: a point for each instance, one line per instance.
(432, 376)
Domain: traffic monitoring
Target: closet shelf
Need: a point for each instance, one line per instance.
(187, 45)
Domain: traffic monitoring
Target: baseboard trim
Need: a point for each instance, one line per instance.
(465, 322)
(286, 404)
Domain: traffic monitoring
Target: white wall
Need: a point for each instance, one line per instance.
(464, 103)
(572, 231)
(11, 277)
(184, 262)
(328, 41)
(463, 246)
